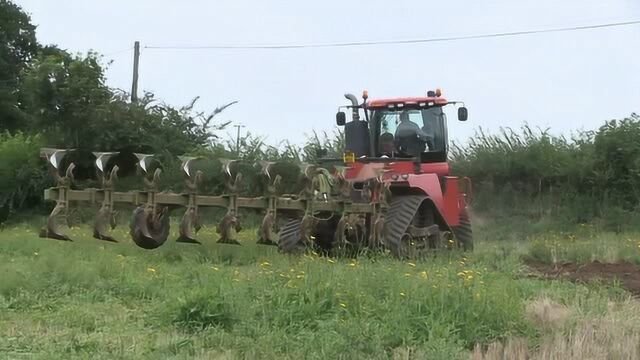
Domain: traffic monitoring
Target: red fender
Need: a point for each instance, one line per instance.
(448, 203)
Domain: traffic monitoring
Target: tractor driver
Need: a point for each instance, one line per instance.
(410, 138)
(385, 143)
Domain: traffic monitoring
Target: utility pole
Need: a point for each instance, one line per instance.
(136, 63)
(238, 139)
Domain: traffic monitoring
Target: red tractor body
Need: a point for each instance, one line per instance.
(431, 179)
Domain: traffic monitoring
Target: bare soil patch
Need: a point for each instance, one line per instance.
(627, 274)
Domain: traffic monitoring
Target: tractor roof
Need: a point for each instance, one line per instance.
(437, 100)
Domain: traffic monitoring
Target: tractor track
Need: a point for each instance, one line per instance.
(289, 236)
(401, 213)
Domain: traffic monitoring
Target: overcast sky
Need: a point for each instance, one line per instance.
(566, 81)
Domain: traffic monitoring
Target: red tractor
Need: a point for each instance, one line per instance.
(403, 143)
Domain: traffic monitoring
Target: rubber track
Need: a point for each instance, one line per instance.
(400, 214)
(289, 236)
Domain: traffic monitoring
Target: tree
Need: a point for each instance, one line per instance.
(62, 96)
(66, 97)
(18, 46)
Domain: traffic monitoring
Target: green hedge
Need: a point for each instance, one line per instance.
(22, 174)
(593, 174)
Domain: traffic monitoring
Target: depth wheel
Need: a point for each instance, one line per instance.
(144, 232)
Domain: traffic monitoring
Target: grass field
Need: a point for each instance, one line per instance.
(90, 299)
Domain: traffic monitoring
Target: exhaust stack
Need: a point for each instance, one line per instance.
(354, 103)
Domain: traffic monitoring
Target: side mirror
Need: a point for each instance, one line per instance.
(463, 114)
(341, 118)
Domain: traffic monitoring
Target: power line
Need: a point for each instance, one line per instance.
(119, 51)
(390, 42)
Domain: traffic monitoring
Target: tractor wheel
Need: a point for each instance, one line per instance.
(463, 232)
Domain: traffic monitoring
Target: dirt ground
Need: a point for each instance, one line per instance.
(627, 274)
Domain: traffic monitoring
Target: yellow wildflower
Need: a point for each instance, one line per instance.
(423, 274)
(402, 294)
(265, 263)
(411, 264)
(151, 270)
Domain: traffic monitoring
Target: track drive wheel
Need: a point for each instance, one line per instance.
(463, 232)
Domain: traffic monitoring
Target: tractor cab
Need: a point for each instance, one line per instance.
(410, 129)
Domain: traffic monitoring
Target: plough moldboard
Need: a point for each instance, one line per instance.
(326, 195)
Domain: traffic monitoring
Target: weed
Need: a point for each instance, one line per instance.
(201, 311)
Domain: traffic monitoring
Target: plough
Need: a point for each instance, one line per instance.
(150, 223)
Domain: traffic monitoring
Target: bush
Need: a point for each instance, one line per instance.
(22, 174)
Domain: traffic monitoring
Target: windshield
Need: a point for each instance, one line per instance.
(410, 132)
